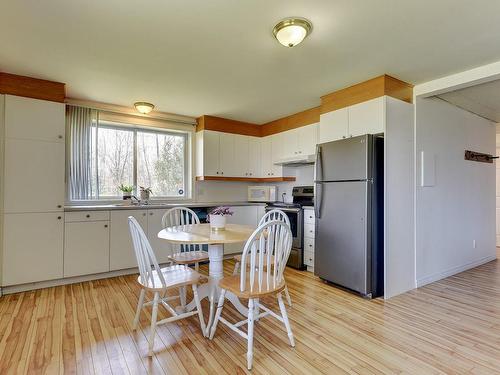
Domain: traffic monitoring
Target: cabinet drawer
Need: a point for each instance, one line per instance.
(309, 230)
(86, 216)
(309, 258)
(309, 217)
(309, 244)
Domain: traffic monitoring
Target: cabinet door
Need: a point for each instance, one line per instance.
(307, 138)
(227, 163)
(33, 247)
(34, 176)
(367, 117)
(27, 118)
(276, 154)
(243, 215)
(266, 157)
(290, 143)
(211, 153)
(333, 125)
(86, 248)
(240, 157)
(254, 157)
(161, 247)
(121, 251)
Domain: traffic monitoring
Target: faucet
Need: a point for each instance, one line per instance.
(135, 201)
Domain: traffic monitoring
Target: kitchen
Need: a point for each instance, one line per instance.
(91, 168)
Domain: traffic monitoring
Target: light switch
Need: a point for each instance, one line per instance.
(427, 169)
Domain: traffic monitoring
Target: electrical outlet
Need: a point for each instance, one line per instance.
(473, 244)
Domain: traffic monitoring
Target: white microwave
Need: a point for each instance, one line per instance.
(262, 193)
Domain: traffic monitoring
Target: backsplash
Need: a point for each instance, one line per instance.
(210, 191)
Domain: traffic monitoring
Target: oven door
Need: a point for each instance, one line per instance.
(296, 223)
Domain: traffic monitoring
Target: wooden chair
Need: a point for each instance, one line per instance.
(159, 280)
(184, 254)
(264, 277)
(269, 216)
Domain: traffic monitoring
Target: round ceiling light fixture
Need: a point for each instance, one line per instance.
(144, 107)
(291, 31)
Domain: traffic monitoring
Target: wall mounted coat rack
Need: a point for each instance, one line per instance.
(479, 157)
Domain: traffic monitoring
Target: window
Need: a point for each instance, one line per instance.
(125, 154)
(139, 157)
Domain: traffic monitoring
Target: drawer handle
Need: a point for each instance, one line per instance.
(105, 225)
(59, 206)
(59, 218)
(87, 216)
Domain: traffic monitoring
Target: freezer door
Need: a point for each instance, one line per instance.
(341, 246)
(346, 159)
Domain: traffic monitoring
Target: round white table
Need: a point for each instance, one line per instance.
(201, 234)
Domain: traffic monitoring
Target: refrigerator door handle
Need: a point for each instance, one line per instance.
(318, 197)
(318, 165)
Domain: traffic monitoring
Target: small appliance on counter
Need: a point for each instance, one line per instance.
(262, 194)
(302, 196)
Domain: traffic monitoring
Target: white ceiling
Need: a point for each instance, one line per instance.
(218, 57)
(483, 99)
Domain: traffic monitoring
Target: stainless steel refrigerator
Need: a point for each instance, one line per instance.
(348, 205)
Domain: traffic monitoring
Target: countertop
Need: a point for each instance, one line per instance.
(110, 207)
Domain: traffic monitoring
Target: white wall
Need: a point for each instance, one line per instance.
(304, 175)
(459, 206)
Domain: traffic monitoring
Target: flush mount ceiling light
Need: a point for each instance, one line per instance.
(291, 31)
(144, 107)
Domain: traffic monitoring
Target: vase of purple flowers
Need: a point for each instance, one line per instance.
(217, 217)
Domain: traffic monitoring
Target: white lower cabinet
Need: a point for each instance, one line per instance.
(162, 248)
(86, 248)
(309, 234)
(243, 215)
(33, 247)
(121, 251)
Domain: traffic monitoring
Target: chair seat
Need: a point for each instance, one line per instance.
(175, 276)
(237, 258)
(189, 257)
(232, 284)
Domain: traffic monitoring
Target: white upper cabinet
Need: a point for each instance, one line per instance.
(307, 139)
(254, 157)
(241, 156)
(277, 146)
(367, 117)
(334, 125)
(227, 162)
(210, 146)
(266, 157)
(34, 176)
(362, 118)
(27, 118)
(290, 143)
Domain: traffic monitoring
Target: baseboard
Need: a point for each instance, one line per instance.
(452, 271)
(69, 280)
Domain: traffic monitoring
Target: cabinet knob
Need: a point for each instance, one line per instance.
(222, 173)
(87, 216)
(310, 217)
(105, 225)
(143, 214)
(272, 174)
(60, 136)
(250, 174)
(150, 214)
(350, 135)
(217, 172)
(343, 136)
(59, 217)
(310, 245)
(300, 152)
(59, 206)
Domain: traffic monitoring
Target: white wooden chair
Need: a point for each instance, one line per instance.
(159, 280)
(269, 216)
(263, 278)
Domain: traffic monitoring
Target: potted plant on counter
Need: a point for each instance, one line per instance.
(127, 192)
(217, 217)
(145, 193)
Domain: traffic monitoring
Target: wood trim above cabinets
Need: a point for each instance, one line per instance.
(32, 87)
(225, 125)
(307, 117)
(371, 89)
(245, 179)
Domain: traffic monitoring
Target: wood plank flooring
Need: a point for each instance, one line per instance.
(449, 327)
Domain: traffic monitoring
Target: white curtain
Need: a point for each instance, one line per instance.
(79, 124)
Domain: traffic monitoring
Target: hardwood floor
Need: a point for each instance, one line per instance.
(451, 326)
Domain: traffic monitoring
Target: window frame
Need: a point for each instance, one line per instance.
(134, 128)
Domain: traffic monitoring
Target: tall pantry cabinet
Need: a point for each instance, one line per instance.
(32, 145)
